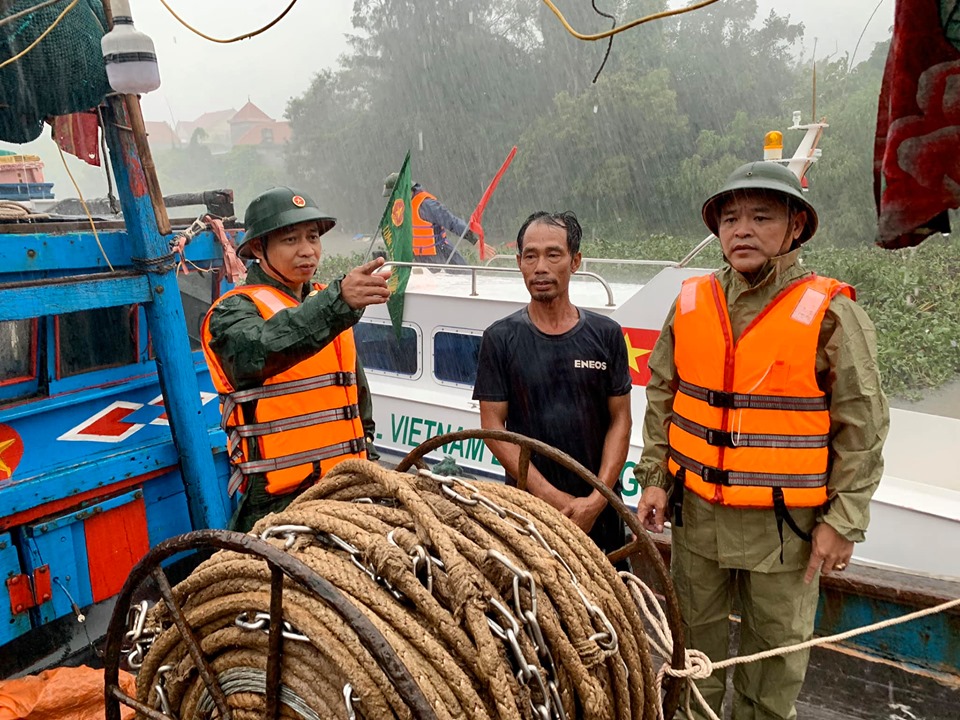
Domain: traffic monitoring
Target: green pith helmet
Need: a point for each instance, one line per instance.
(389, 182)
(762, 175)
(277, 208)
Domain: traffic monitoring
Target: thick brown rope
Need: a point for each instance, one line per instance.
(430, 567)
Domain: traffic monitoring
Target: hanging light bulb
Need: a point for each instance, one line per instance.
(129, 54)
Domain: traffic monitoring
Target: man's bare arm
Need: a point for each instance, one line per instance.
(616, 444)
(493, 416)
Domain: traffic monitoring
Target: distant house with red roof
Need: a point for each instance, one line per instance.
(222, 130)
(213, 127)
(252, 126)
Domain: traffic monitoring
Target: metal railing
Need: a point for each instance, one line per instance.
(473, 269)
(700, 247)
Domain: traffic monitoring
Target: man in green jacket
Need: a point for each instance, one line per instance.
(722, 551)
(283, 229)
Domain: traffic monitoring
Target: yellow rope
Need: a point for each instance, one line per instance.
(36, 42)
(233, 39)
(627, 26)
(83, 202)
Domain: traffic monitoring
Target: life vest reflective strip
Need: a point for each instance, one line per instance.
(750, 425)
(315, 399)
(424, 237)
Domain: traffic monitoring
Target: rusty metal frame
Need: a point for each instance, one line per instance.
(281, 564)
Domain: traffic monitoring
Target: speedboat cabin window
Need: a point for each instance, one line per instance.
(455, 356)
(380, 350)
(97, 339)
(197, 293)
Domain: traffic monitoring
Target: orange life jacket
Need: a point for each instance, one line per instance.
(424, 239)
(303, 419)
(750, 425)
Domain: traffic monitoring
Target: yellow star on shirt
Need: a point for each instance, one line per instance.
(4, 468)
(633, 353)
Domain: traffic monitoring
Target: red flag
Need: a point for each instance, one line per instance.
(477, 215)
(640, 344)
(78, 134)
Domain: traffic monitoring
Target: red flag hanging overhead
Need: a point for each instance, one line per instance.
(477, 216)
(78, 134)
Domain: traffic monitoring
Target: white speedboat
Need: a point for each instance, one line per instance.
(422, 387)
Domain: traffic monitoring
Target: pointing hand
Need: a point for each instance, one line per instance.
(364, 285)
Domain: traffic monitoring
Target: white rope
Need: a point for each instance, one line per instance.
(697, 666)
(10, 210)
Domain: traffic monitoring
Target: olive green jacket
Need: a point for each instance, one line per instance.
(847, 371)
(252, 349)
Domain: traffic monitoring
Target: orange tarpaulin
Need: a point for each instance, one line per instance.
(60, 694)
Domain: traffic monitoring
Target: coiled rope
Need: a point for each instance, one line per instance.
(10, 210)
(497, 605)
(492, 604)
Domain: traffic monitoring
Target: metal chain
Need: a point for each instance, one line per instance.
(162, 699)
(288, 532)
(261, 621)
(421, 559)
(349, 698)
(138, 639)
(527, 673)
(506, 625)
(606, 635)
(551, 707)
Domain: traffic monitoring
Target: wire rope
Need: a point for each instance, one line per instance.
(263, 29)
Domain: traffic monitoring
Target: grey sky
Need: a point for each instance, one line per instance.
(198, 75)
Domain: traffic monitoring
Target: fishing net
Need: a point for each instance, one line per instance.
(64, 73)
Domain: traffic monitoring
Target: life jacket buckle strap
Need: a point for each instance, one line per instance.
(676, 496)
(715, 476)
(719, 438)
(357, 445)
(721, 399)
(351, 412)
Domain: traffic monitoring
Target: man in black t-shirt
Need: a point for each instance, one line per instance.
(559, 374)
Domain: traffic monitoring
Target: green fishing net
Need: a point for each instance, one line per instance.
(64, 73)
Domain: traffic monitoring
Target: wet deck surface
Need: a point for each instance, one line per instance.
(842, 685)
(845, 685)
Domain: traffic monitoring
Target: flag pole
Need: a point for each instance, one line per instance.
(457, 245)
(373, 240)
(396, 228)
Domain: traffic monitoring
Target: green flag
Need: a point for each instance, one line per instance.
(396, 227)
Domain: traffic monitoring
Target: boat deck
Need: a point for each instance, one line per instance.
(844, 685)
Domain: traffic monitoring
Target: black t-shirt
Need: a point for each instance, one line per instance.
(557, 388)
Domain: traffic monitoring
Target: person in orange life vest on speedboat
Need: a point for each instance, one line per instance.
(762, 438)
(281, 352)
(431, 221)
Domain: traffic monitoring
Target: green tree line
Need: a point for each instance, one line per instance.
(679, 104)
